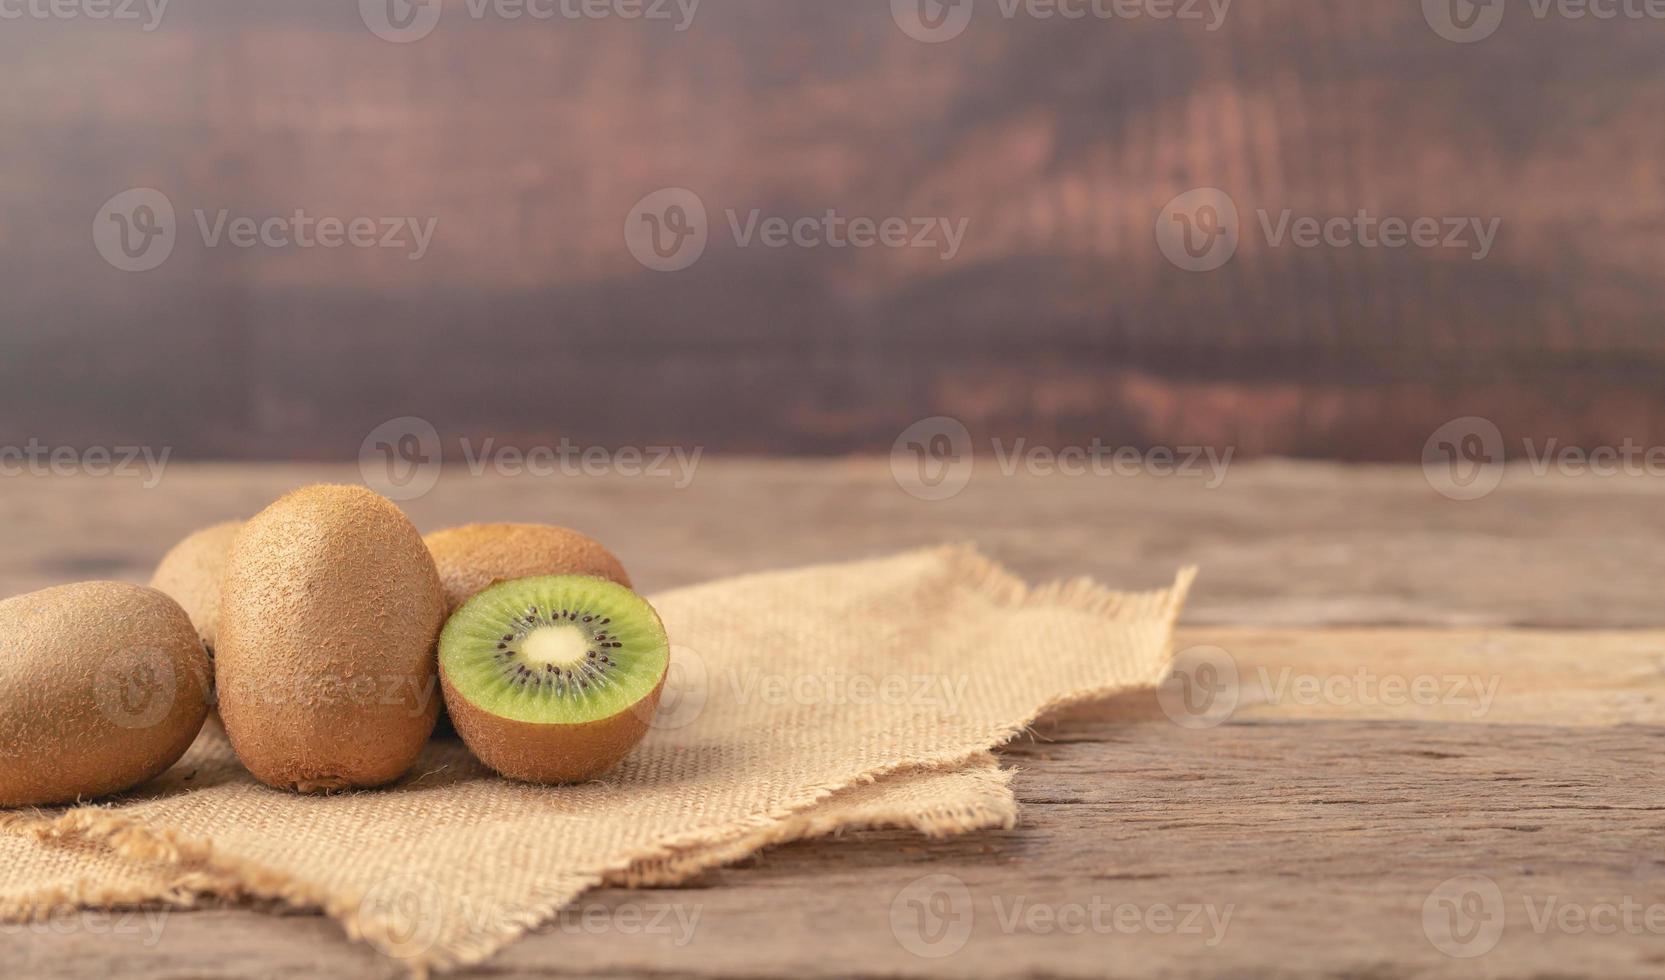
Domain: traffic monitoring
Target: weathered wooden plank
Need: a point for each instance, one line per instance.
(1058, 140)
(1324, 820)
(1314, 846)
(1280, 544)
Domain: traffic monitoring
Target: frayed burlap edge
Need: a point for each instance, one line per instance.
(665, 870)
(202, 877)
(199, 878)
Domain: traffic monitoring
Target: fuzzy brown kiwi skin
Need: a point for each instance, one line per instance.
(550, 754)
(327, 663)
(191, 572)
(86, 707)
(474, 557)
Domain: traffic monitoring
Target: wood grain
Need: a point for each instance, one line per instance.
(1321, 840)
(1325, 824)
(1058, 140)
(1281, 544)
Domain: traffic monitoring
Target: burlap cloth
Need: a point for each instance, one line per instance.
(802, 703)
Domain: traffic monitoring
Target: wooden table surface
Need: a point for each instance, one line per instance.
(1438, 758)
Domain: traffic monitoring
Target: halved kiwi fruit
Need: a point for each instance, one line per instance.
(553, 679)
(475, 556)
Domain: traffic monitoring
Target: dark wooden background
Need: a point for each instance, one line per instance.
(1059, 140)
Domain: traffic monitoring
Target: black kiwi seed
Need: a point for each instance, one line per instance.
(590, 698)
(592, 672)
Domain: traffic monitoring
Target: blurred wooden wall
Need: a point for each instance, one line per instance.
(1060, 141)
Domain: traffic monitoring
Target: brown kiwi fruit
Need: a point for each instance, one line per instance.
(190, 572)
(329, 614)
(475, 556)
(103, 686)
(553, 679)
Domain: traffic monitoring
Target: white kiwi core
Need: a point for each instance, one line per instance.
(557, 649)
(555, 646)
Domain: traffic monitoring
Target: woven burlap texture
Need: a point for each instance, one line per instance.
(801, 703)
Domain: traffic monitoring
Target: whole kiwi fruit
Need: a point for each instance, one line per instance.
(329, 615)
(553, 679)
(103, 686)
(191, 571)
(475, 556)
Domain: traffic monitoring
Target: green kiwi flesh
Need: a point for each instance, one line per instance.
(553, 679)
